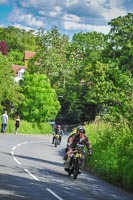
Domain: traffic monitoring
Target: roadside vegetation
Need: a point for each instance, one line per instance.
(28, 128)
(112, 153)
(73, 82)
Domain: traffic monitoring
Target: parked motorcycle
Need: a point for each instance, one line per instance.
(76, 161)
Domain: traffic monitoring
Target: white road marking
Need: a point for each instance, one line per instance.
(17, 161)
(14, 148)
(54, 194)
(27, 171)
(12, 153)
(32, 175)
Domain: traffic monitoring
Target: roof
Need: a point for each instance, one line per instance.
(17, 68)
(29, 54)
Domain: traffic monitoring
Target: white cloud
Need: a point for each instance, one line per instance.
(71, 2)
(22, 27)
(2, 25)
(29, 19)
(17, 16)
(109, 9)
(4, 2)
(73, 26)
(73, 23)
(72, 18)
(113, 13)
(57, 10)
(68, 15)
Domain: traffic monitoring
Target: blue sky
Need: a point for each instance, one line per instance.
(70, 16)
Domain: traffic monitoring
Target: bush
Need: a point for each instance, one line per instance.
(112, 153)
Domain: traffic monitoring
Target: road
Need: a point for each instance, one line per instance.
(32, 168)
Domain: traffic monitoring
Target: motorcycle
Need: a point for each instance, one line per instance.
(56, 140)
(76, 161)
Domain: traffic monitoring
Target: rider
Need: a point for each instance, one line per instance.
(78, 137)
(59, 131)
(71, 135)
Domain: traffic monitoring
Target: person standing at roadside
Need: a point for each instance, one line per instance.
(17, 124)
(4, 121)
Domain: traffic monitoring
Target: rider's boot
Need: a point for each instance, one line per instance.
(53, 141)
(67, 164)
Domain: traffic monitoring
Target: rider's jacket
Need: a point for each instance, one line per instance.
(75, 138)
(60, 132)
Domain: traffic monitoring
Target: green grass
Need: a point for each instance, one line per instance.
(29, 128)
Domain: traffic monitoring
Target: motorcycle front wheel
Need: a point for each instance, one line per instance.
(55, 142)
(70, 171)
(76, 169)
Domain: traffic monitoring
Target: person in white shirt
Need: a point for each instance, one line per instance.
(4, 121)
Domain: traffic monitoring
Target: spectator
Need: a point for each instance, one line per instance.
(4, 121)
(17, 124)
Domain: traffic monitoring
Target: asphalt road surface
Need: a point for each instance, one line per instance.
(32, 168)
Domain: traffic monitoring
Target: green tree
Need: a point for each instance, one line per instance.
(51, 56)
(10, 95)
(58, 61)
(16, 57)
(85, 49)
(63, 62)
(89, 46)
(120, 42)
(40, 102)
(18, 41)
(108, 87)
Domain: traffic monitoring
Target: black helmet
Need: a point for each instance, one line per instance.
(82, 130)
(79, 127)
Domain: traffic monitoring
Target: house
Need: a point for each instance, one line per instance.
(18, 69)
(28, 55)
(18, 72)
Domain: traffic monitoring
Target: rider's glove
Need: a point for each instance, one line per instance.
(68, 145)
(90, 152)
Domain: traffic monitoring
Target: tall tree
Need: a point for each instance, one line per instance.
(63, 62)
(18, 41)
(85, 49)
(51, 56)
(40, 103)
(108, 87)
(89, 46)
(120, 42)
(10, 95)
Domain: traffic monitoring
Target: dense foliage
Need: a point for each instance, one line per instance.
(10, 95)
(40, 102)
(112, 153)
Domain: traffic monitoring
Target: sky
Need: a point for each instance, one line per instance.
(69, 16)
